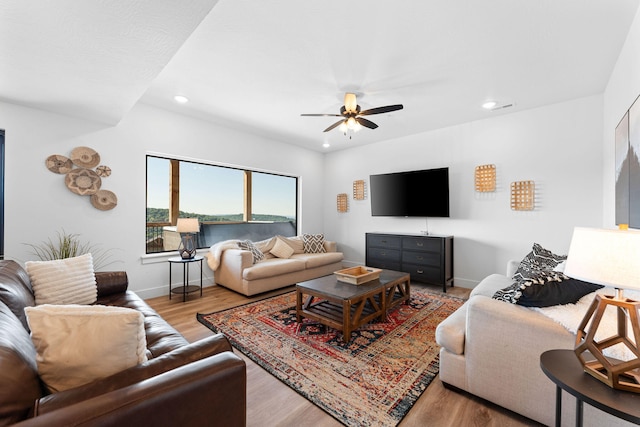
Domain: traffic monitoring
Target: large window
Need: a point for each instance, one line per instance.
(230, 203)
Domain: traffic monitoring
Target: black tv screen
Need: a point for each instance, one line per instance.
(423, 193)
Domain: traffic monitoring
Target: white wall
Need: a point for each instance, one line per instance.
(38, 204)
(623, 88)
(557, 146)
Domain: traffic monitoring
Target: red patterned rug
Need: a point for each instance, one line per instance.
(373, 380)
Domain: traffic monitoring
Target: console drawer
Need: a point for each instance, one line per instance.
(422, 273)
(384, 241)
(381, 254)
(384, 264)
(421, 244)
(431, 259)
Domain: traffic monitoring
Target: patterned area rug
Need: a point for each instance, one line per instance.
(373, 380)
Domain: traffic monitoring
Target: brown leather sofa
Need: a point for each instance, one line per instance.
(182, 384)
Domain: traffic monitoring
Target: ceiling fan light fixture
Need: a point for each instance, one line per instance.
(350, 102)
(488, 105)
(343, 127)
(351, 123)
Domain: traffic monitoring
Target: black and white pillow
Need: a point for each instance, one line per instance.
(545, 289)
(313, 243)
(248, 245)
(538, 260)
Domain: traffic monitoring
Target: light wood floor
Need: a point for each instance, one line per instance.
(271, 403)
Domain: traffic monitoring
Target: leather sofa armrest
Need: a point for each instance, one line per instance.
(179, 357)
(111, 282)
(211, 391)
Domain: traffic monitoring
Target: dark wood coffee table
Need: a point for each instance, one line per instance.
(346, 307)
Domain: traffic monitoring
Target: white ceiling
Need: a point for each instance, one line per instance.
(257, 65)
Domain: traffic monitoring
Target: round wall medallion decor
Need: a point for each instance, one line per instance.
(103, 171)
(104, 200)
(58, 164)
(85, 157)
(83, 181)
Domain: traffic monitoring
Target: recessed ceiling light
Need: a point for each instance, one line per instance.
(489, 105)
(326, 145)
(181, 99)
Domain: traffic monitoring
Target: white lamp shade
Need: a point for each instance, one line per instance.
(188, 225)
(605, 257)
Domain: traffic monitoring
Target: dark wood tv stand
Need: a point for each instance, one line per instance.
(427, 258)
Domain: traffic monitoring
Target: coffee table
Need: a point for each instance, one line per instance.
(346, 307)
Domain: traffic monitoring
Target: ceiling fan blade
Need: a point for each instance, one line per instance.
(380, 110)
(321, 115)
(335, 125)
(366, 123)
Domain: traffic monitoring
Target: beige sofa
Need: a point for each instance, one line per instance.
(234, 268)
(492, 349)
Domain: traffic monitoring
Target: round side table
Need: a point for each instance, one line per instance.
(565, 370)
(186, 288)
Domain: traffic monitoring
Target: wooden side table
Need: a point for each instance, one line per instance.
(185, 288)
(565, 370)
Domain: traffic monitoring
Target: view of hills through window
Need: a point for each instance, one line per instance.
(216, 194)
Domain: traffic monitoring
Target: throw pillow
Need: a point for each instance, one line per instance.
(539, 259)
(248, 245)
(295, 242)
(63, 281)
(281, 249)
(77, 344)
(313, 243)
(546, 289)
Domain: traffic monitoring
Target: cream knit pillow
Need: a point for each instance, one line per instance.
(77, 344)
(63, 281)
(281, 249)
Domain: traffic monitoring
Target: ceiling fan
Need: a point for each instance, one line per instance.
(352, 116)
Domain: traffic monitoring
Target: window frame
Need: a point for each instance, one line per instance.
(174, 193)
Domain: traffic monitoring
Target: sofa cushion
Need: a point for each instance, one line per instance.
(539, 259)
(15, 289)
(63, 281)
(272, 267)
(77, 344)
(18, 371)
(281, 249)
(161, 336)
(318, 260)
(313, 243)
(265, 246)
(248, 245)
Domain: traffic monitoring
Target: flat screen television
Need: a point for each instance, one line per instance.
(421, 193)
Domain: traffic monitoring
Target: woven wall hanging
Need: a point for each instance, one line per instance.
(358, 190)
(342, 202)
(522, 195)
(485, 178)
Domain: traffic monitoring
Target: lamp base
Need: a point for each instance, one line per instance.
(187, 247)
(185, 254)
(621, 375)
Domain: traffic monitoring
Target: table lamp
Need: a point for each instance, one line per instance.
(188, 229)
(610, 258)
